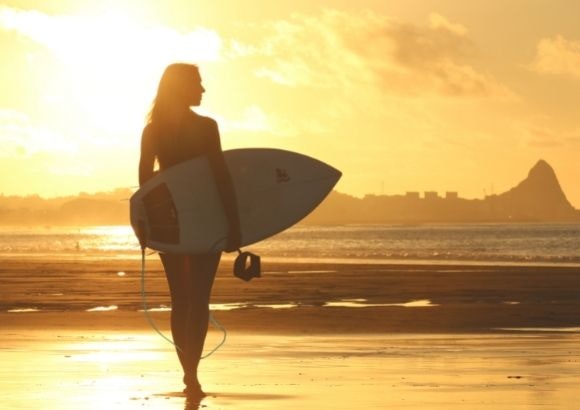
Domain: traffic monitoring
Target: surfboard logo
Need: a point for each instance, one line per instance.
(281, 175)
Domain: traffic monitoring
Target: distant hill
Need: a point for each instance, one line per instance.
(103, 208)
(538, 198)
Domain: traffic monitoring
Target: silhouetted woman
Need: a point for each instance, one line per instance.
(174, 133)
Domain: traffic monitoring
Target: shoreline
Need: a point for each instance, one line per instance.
(125, 257)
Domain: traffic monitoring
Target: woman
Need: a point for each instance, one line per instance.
(174, 134)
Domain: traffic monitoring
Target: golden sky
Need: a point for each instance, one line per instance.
(401, 95)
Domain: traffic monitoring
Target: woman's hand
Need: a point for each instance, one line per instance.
(234, 239)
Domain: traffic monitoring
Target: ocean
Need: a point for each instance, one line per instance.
(446, 243)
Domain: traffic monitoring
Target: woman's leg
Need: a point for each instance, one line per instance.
(178, 279)
(202, 270)
(190, 279)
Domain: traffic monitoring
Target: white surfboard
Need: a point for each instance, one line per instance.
(180, 210)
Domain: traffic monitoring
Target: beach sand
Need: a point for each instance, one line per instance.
(339, 336)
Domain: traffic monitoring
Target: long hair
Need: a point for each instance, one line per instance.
(169, 102)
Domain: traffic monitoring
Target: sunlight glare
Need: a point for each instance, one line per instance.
(109, 63)
(117, 350)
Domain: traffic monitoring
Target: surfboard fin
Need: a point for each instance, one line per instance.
(247, 266)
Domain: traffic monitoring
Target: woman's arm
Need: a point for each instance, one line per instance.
(147, 159)
(225, 187)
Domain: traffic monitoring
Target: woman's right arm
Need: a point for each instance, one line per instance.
(147, 158)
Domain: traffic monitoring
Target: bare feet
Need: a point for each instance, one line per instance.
(194, 392)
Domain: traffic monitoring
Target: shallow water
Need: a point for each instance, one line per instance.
(506, 243)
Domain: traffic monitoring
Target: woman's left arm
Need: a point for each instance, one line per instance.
(147, 157)
(225, 187)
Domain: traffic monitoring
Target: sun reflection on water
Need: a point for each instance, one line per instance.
(107, 238)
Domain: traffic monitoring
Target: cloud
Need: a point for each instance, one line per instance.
(19, 137)
(76, 38)
(544, 136)
(341, 50)
(253, 119)
(108, 54)
(557, 55)
(74, 168)
(437, 21)
(99, 72)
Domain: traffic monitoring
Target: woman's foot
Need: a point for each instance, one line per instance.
(194, 391)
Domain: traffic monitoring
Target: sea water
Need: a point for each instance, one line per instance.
(507, 243)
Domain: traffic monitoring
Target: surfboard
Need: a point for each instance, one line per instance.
(179, 210)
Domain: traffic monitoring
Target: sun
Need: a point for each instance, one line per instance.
(85, 82)
(106, 65)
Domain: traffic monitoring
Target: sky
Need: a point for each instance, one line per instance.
(400, 95)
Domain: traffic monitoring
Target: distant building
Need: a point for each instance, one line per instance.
(451, 195)
(412, 195)
(431, 195)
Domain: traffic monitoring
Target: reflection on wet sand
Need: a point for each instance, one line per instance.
(361, 303)
(542, 329)
(135, 370)
(278, 306)
(103, 308)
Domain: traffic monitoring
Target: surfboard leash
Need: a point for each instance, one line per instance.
(154, 326)
(144, 300)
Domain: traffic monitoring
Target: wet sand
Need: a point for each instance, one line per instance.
(135, 370)
(311, 298)
(342, 336)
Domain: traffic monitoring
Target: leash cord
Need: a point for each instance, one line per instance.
(154, 326)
